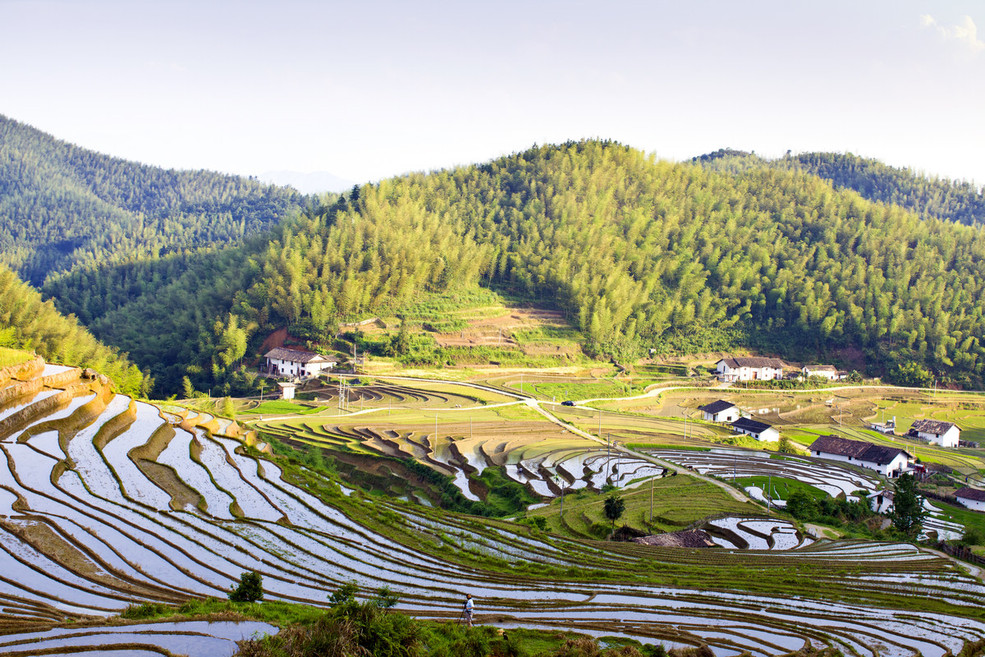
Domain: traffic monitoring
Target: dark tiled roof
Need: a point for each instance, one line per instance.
(747, 424)
(716, 406)
(971, 494)
(754, 361)
(298, 356)
(932, 426)
(856, 449)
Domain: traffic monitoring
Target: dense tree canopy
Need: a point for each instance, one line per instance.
(952, 200)
(28, 322)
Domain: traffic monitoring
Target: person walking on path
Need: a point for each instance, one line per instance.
(469, 608)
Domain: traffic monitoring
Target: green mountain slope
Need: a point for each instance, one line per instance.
(643, 254)
(27, 322)
(62, 206)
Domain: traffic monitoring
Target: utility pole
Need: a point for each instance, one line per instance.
(652, 479)
(608, 459)
(769, 494)
(343, 395)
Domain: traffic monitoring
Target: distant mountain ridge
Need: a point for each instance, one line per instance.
(311, 182)
(959, 201)
(62, 206)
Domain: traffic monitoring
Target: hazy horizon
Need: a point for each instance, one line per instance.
(383, 88)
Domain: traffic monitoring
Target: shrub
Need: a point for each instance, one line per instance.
(249, 589)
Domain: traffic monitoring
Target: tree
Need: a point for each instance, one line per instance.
(385, 598)
(802, 505)
(614, 507)
(345, 595)
(187, 389)
(908, 512)
(249, 589)
(228, 408)
(785, 446)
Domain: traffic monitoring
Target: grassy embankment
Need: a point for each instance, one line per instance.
(13, 356)
(678, 501)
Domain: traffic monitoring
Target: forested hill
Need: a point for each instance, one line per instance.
(641, 254)
(957, 201)
(61, 206)
(27, 322)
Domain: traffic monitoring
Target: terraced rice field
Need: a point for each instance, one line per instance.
(532, 453)
(107, 501)
(828, 476)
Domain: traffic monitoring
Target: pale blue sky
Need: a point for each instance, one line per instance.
(371, 89)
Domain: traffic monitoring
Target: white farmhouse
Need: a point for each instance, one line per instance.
(936, 432)
(749, 369)
(828, 372)
(972, 498)
(297, 363)
(758, 430)
(720, 411)
(888, 461)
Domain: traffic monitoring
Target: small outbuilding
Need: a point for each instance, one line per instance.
(936, 432)
(972, 498)
(297, 363)
(889, 461)
(287, 389)
(756, 429)
(829, 372)
(720, 411)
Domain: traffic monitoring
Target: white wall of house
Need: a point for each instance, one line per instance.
(726, 373)
(770, 435)
(897, 464)
(831, 375)
(728, 415)
(974, 505)
(301, 370)
(949, 438)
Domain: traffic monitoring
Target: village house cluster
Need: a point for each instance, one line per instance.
(759, 368)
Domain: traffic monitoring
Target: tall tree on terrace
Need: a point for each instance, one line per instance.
(614, 507)
(908, 512)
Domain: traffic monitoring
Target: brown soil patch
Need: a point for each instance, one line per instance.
(498, 331)
(46, 540)
(182, 494)
(695, 538)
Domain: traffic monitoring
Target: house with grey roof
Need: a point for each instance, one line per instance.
(720, 411)
(756, 429)
(829, 372)
(972, 498)
(936, 432)
(749, 369)
(888, 461)
(297, 363)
